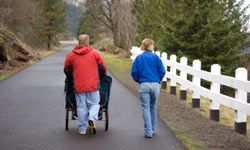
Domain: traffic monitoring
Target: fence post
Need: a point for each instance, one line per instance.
(215, 87)
(158, 53)
(132, 51)
(241, 118)
(164, 58)
(183, 89)
(196, 81)
(173, 72)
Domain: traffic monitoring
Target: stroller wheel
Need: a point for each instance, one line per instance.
(106, 120)
(67, 120)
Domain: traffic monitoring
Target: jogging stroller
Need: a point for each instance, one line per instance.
(104, 89)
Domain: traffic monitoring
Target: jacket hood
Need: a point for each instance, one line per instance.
(82, 50)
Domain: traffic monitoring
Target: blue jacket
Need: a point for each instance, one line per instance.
(148, 67)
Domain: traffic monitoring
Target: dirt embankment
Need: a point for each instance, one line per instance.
(13, 52)
(16, 55)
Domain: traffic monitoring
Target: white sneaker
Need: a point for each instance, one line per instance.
(82, 132)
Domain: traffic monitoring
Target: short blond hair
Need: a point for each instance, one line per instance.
(83, 39)
(146, 43)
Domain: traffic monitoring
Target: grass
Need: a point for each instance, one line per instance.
(4, 74)
(190, 143)
(119, 67)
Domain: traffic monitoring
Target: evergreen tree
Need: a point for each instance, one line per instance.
(88, 22)
(88, 25)
(73, 15)
(149, 16)
(212, 31)
(52, 21)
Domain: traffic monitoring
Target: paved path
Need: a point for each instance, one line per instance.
(32, 115)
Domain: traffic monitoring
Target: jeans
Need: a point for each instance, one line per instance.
(87, 108)
(149, 93)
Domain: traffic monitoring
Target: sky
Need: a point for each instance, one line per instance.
(247, 2)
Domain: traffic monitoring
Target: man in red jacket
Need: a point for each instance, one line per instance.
(84, 62)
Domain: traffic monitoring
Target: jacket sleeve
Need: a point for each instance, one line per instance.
(102, 72)
(67, 63)
(161, 69)
(134, 71)
(100, 60)
(102, 66)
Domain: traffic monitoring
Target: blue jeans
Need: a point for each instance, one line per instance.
(87, 108)
(149, 93)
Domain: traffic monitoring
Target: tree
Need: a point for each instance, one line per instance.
(212, 31)
(73, 17)
(117, 17)
(52, 21)
(23, 18)
(150, 19)
(90, 26)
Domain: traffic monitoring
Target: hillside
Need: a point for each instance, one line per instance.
(15, 55)
(12, 50)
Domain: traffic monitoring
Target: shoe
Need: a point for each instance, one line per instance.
(147, 136)
(92, 127)
(82, 133)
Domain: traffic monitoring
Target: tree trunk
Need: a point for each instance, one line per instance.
(49, 42)
(3, 55)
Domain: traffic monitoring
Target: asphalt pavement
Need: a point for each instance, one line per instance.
(32, 115)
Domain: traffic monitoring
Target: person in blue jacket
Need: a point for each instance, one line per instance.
(148, 70)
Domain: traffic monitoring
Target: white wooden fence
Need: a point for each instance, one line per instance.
(240, 83)
(74, 42)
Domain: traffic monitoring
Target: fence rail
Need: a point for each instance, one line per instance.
(74, 42)
(240, 83)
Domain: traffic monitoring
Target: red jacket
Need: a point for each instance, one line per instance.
(84, 61)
